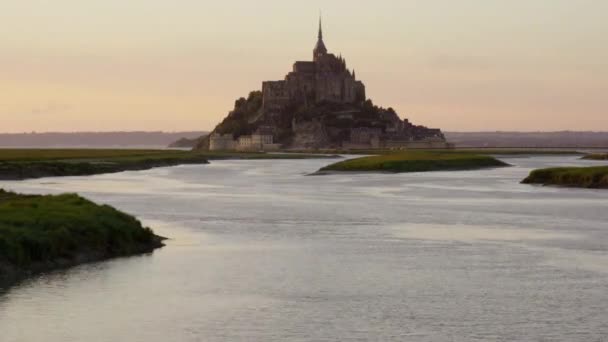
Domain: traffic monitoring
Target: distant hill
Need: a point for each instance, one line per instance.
(95, 139)
(528, 139)
(186, 142)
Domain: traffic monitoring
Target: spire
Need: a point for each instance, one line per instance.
(320, 27)
(320, 48)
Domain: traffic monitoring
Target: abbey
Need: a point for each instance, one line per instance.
(325, 78)
(320, 104)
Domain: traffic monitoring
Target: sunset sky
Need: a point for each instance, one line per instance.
(466, 65)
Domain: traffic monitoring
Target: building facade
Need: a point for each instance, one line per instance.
(257, 142)
(325, 78)
(221, 142)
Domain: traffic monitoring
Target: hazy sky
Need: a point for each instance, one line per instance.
(70, 65)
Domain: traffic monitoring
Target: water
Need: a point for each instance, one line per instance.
(260, 252)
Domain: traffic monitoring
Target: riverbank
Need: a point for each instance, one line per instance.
(19, 164)
(483, 151)
(596, 156)
(595, 177)
(414, 161)
(43, 233)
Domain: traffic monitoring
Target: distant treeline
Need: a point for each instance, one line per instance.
(94, 139)
(528, 139)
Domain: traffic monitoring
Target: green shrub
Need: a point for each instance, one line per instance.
(45, 228)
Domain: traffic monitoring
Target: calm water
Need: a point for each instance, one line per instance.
(261, 252)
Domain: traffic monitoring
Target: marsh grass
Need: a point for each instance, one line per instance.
(582, 177)
(416, 161)
(16, 164)
(37, 231)
(596, 156)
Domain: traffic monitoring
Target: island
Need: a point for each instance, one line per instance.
(415, 161)
(19, 164)
(42, 233)
(320, 103)
(594, 177)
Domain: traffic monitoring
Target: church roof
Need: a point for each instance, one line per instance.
(320, 47)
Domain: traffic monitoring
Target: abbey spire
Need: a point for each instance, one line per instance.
(320, 36)
(320, 49)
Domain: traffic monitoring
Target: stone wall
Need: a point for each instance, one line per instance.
(256, 142)
(309, 134)
(221, 142)
(275, 95)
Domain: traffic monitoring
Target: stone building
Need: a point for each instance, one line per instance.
(325, 78)
(319, 104)
(221, 142)
(258, 141)
(364, 137)
(261, 140)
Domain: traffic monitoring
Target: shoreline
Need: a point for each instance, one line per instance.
(11, 275)
(42, 233)
(414, 161)
(322, 172)
(22, 164)
(592, 177)
(36, 170)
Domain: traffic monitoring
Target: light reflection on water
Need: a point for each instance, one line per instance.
(260, 252)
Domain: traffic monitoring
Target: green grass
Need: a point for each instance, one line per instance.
(220, 155)
(517, 151)
(482, 151)
(416, 161)
(16, 164)
(70, 154)
(109, 155)
(581, 177)
(596, 156)
(40, 231)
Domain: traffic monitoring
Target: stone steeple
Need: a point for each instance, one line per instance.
(320, 36)
(320, 49)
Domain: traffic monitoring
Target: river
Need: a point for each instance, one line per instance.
(261, 252)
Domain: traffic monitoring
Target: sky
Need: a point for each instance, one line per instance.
(466, 65)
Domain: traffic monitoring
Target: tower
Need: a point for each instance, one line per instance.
(320, 49)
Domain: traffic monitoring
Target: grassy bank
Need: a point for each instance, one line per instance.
(415, 161)
(40, 233)
(596, 156)
(16, 164)
(219, 155)
(482, 151)
(580, 177)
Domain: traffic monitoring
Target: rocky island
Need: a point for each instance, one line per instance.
(320, 104)
(42, 233)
